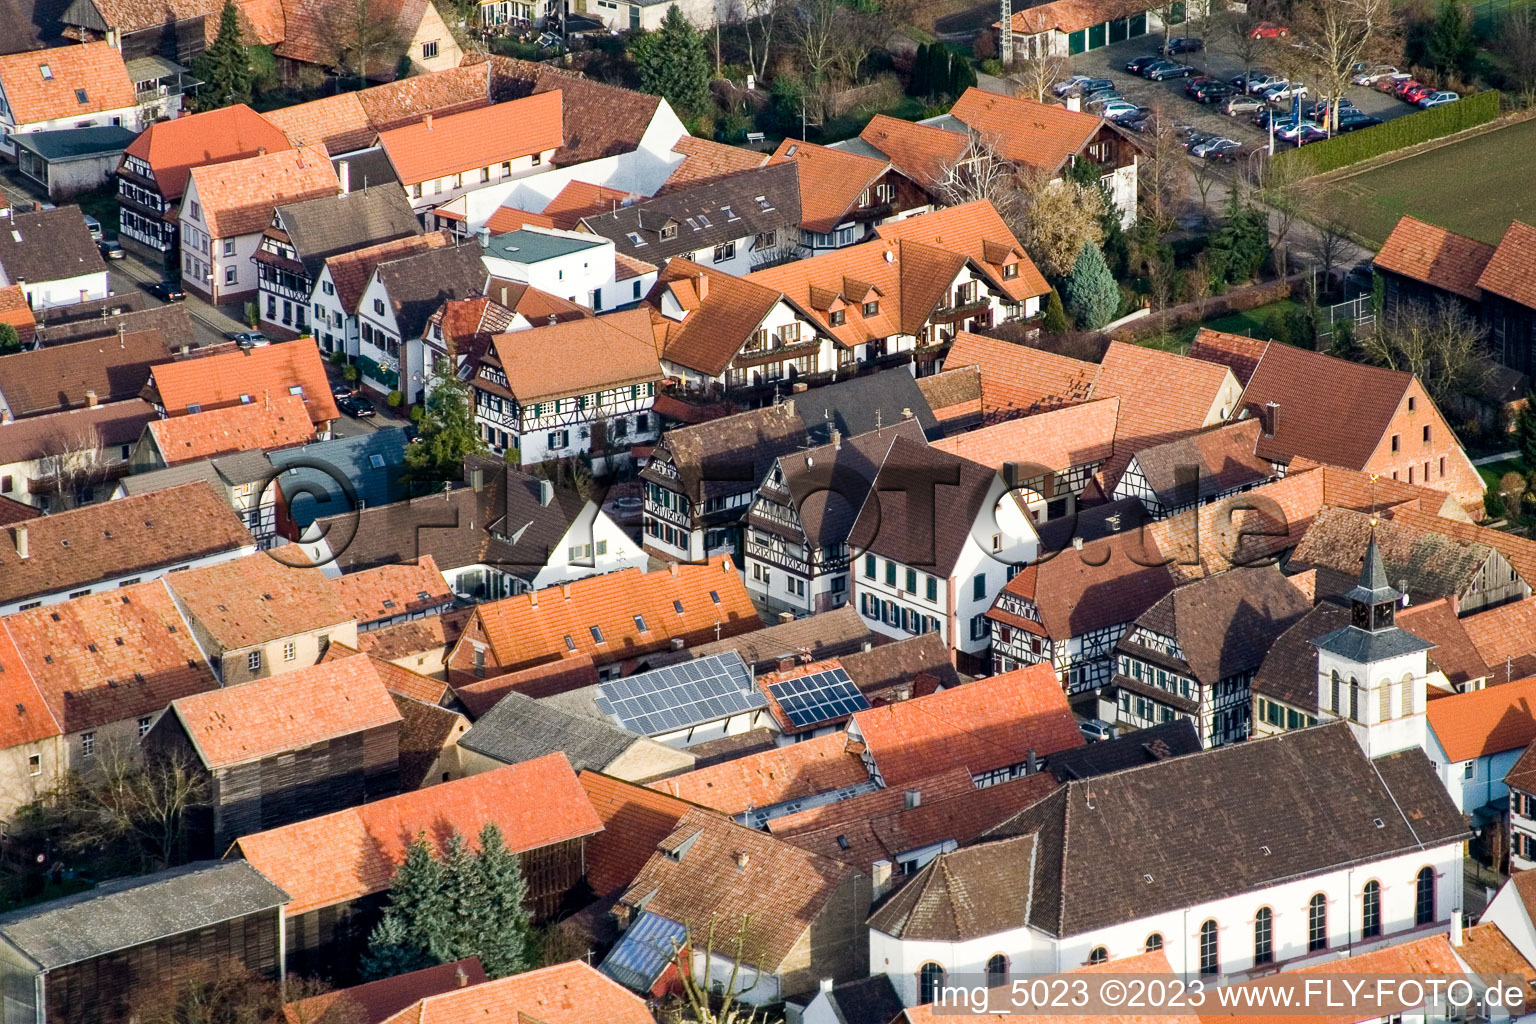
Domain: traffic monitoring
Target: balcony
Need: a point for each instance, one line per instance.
(782, 559)
(960, 311)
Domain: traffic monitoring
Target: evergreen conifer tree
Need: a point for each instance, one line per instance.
(1055, 315)
(400, 942)
(225, 67)
(448, 432)
(1091, 293)
(507, 938)
(674, 64)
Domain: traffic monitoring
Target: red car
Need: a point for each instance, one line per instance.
(1418, 92)
(1401, 88)
(1268, 30)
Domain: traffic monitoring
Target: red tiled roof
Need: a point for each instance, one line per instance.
(110, 657)
(379, 1000)
(1039, 135)
(260, 425)
(32, 719)
(1455, 654)
(1017, 380)
(1489, 721)
(770, 777)
(715, 326)
(579, 356)
(388, 591)
(1109, 582)
(352, 853)
(239, 197)
(919, 151)
(635, 819)
(705, 160)
(246, 375)
(257, 599)
(1239, 354)
(350, 271)
(579, 199)
(977, 230)
(15, 310)
(286, 712)
(436, 147)
(397, 679)
(1060, 439)
(1070, 16)
(547, 680)
(1435, 256)
(831, 181)
(978, 726)
(1504, 635)
(570, 993)
(93, 70)
(173, 148)
(509, 218)
(1512, 270)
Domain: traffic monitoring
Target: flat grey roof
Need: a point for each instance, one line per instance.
(524, 246)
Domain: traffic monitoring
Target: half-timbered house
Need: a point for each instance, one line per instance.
(1208, 466)
(845, 194)
(400, 297)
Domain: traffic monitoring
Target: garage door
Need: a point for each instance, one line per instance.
(1096, 37)
(1075, 42)
(1117, 31)
(1138, 24)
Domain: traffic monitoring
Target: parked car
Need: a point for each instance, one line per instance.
(1417, 93)
(1136, 64)
(1284, 92)
(1240, 82)
(1088, 86)
(1066, 85)
(1211, 92)
(248, 339)
(1183, 44)
(1370, 76)
(1142, 121)
(1390, 83)
(1118, 110)
(1439, 99)
(1218, 149)
(1237, 104)
(1198, 139)
(1296, 132)
(1191, 84)
(1158, 74)
(1268, 30)
(1403, 87)
(1350, 124)
(1280, 119)
(1102, 98)
(110, 250)
(356, 406)
(94, 227)
(342, 389)
(1257, 83)
(166, 291)
(1096, 729)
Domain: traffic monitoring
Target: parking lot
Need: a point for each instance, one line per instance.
(1215, 60)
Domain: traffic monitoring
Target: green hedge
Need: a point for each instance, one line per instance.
(1398, 133)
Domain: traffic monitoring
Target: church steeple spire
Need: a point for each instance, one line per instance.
(1373, 601)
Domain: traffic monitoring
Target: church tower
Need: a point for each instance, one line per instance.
(1371, 673)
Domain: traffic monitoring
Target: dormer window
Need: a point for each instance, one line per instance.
(871, 308)
(837, 318)
(668, 231)
(1010, 271)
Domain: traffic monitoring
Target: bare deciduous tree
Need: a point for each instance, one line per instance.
(816, 25)
(758, 20)
(363, 43)
(980, 172)
(1034, 75)
(1517, 42)
(1335, 35)
(1285, 191)
(704, 1005)
(1163, 175)
(143, 799)
(75, 461)
(1442, 344)
(1235, 28)
(1330, 241)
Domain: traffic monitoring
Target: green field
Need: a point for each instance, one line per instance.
(1474, 187)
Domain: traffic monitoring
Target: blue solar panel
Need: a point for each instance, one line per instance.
(818, 697)
(644, 952)
(680, 696)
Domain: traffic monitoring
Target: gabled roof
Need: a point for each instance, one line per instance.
(238, 197)
(705, 160)
(599, 119)
(1108, 582)
(1511, 272)
(74, 430)
(576, 357)
(1505, 637)
(1454, 654)
(990, 723)
(547, 680)
(331, 225)
(142, 533)
(722, 452)
(1435, 256)
(1017, 380)
(1237, 353)
(419, 283)
(827, 635)
(1026, 132)
(15, 311)
(389, 591)
(1163, 396)
(1433, 563)
(173, 148)
(379, 1000)
(65, 81)
(350, 272)
(902, 669)
(918, 151)
(130, 912)
(576, 200)
(1222, 457)
(48, 245)
(569, 993)
(519, 729)
(1075, 435)
(246, 376)
(711, 869)
(977, 230)
(895, 523)
(338, 857)
(275, 422)
(257, 599)
(1068, 16)
(1483, 722)
(171, 321)
(635, 819)
(954, 395)
(369, 464)
(770, 777)
(33, 719)
(416, 638)
(110, 657)
(965, 894)
(722, 311)
(831, 181)
(828, 484)
(1519, 551)
(1137, 747)
(286, 713)
(438, 147)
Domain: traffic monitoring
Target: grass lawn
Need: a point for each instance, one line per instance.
(1254, 323)
(1493, 471)
(1474, 187)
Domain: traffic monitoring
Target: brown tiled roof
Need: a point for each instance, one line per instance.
(635, 819)
(705, 160)
(1522, 774)
(15, 311)
(171, 320)
(578, 357)
(437, 147)
(1017, 380)
(532, 628)
(1059, 439)
(351, 271)
(987, 724)
(137, 15)
(1223, 456)
(569, 993)
(257, 599)
(286, 713)
(238, 197)
(1068, 16)
(599, 119)
(13, 511)
(729, 872)
(261, 425)
(419, 283)
(1163, 396)
(919, 151)
(964, 894)
(753, 438)
(393, 643)
(829, 483)
(1039, 135)
(403, 682)
(827, 635)
(716, 326)
(1237, 353)
(954, 394)
(831, 181)
(425, 731)
(1519, 551)
(977, 230)
(353, 853)
(894, 523)
(1454, 654)
(387, 591)
(82, 79)
(771, 777)
(546, 680)
(1435, 256)
(312, 30)
(1154, 963)
(1512, 270)
(246, 376)
(1289, 671)
(74, 430)
(142, 533)
(378, 1000)
(173, 148)
(32, 719)
(1489, 721)
(1432, 562)
(902, 669)
(1110, 581)
(579, 199)
(110, 657)
(58, 376)
(1505, 637)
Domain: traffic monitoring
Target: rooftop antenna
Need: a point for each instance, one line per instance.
(877, 419)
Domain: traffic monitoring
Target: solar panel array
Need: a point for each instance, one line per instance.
(818, 697)
(679, 696)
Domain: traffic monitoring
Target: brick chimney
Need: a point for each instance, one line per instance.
(703, 286)
(23, 547)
